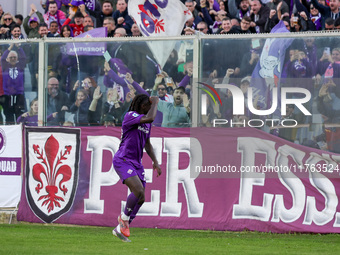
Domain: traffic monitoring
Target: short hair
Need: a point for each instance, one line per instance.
(246, 18)
(204, 23)
(110, 19)
(226, 18)
(54, 22)
(329, 21)
(108, 2)
(19, 16)
(42, 25)
(122, 30)
(337, 22)
(52, 2)
(14, 26)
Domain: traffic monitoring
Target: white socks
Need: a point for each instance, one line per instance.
(124, 217)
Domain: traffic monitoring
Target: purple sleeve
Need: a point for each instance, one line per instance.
(216, 6)
(139, 89)
(184, 82)
(20, 119)
(107, 81)
(50, 117)
(115, 77)
(131, 119)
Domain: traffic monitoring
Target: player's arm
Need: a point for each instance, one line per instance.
(151, 115)
(150, 152)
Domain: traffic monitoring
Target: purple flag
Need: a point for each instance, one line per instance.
(267, 72)
(77, 2)
(93, 49)
(90, 4)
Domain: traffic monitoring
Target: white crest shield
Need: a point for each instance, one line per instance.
(51, 170)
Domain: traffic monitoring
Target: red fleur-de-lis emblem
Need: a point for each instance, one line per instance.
(159, 26)
(49, 168)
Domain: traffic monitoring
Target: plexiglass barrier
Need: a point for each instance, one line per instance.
(286, 85)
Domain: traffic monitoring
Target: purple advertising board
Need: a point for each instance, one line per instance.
(213, 178)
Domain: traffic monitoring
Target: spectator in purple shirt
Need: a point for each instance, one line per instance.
(30, 118)
(13, 64)
(136, 130)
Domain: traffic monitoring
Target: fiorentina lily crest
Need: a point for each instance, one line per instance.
(51, 170)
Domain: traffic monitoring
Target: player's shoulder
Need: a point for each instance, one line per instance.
(132, 116)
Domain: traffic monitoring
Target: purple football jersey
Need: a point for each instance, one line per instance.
(134, 136)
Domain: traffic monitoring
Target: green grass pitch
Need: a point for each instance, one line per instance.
(25, 238)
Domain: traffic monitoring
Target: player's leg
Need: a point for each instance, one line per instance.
(136, 198)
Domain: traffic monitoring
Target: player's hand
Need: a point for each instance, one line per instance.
(156, 167)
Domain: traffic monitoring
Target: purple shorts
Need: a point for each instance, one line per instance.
(125, 170)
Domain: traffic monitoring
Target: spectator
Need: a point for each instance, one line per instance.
(109, 23)
(31, 23)
(190, 4)
(33, 63)
(239, 11)
(62, 5)
(160, 90)
(176, 114)
(312, 15)
(203, 27)
(250, 58)
(121, 16)
(77, 27)
(89, 85)
(54, 14)
(19, 18)
(337, 24)
(1, 11)
(120, 32)
(88, 21)
(331, 11)
(106, 11)
(244, 28)
(301, 23)
(80, 108)
(225, 27)
(53, 30)
(30, 118)
(6, 22)
(328, 105)
(113, 109)
(316, 17)
(135, 30)
(258, 14)
(280, 7)
(57, 101)
(13, 64)
(66, 31)
(16, 32)
(329, 24)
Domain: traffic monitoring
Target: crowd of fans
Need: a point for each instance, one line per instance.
(73, 87)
